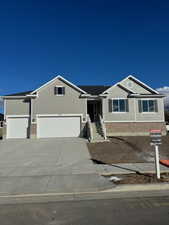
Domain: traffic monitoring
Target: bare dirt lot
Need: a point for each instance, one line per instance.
(141, 178)
(127, 150)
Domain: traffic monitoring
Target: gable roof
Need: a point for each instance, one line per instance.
(131, 77)
(94, 89)
(91, 89)
(137, 81)
(125, 88)
(60, 78)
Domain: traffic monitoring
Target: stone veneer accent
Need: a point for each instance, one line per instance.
(133, 128)
(4, 131)
(33, 131)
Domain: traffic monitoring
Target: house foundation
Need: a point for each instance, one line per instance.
(133, 128)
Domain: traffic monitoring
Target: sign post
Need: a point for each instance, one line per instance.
(156, 141)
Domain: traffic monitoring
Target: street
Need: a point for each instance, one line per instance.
(121, 211)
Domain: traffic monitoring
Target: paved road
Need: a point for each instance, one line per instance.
(47, 165)
(124, 211)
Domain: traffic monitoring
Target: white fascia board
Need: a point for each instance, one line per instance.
(19, 96)
(17, 116)
(32, 96)
(143, 84)
(133, 121)
(115, 85)
(134, 78)
(147, 96)
(12, 96)
(128, 89)
(61, 78)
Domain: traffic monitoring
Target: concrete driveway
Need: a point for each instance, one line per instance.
(47, 165)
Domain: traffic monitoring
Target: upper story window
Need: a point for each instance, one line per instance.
(148, 105)
(60, 90)
(119, 105)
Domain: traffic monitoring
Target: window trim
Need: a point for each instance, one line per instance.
(148, 99)
(119, 99)
(59, 86)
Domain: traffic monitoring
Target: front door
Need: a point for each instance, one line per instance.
(94, 109)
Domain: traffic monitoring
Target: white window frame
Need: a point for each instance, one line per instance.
(147, 99)
(59, 86)
(119, 99)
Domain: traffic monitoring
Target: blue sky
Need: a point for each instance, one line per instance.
(88, 42)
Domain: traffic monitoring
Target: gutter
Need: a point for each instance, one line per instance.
(146, 96)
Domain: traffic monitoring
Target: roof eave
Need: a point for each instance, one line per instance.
(64, 80)
(147, 96)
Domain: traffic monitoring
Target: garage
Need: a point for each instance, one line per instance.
(17, 127)
(58, 126)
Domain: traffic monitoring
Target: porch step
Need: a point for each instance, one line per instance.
(97, 133)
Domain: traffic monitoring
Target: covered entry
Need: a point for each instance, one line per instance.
(94, 109)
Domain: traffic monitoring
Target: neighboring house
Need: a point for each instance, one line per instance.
(60, 109)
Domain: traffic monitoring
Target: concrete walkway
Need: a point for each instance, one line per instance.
(126, 168)
(60, 165)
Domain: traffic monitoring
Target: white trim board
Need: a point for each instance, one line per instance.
(16, 116)
(73, 114)
(52, 128)
(60, 115)
(136, 80)
(120, 86)
(61, 78)
(143, 84)
(133, 121)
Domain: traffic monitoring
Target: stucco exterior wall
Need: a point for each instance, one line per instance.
(133, 115)
(49, 103)
(117, 92)
(17, 107)
(132, 85)
(151, 116)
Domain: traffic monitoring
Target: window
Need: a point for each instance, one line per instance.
(119, 105)
(148, 105)
(59, 90)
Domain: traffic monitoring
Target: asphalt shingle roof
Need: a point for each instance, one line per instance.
(94, 89)
(20, 93)
(90, 89)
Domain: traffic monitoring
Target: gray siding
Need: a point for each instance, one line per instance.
(134, 86)
(49, 103)
(17, 107)
(155, 116)
(133, 114)
(117, 92)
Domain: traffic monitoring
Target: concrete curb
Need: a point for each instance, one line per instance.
(120, 191)
(139, 187)
(107, 174)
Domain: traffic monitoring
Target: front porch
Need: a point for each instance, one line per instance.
(95, 121)
(94, 109)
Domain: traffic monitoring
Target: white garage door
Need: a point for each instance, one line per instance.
(55, 126)
(17, 127)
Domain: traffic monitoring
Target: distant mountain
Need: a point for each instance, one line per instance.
(165, 91)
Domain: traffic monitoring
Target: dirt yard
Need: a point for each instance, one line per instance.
(141, 178)
(127, 150)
